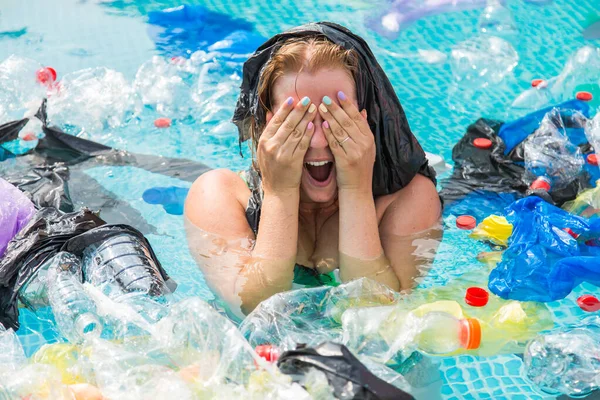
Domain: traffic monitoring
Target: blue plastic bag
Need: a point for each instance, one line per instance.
(543, 262)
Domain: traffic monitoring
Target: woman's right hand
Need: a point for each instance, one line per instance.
(283, 144)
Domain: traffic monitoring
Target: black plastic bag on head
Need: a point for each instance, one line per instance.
(399, 156)
(349, 378)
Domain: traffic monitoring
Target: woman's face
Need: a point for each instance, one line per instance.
(318, 182)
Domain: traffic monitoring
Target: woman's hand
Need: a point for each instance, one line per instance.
(351, 141)
(283, 144)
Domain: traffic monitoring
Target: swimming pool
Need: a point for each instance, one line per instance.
(71, 36)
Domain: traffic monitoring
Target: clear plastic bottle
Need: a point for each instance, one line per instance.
(123, 268)
(566, 361)
(442, 333)
(74, 310)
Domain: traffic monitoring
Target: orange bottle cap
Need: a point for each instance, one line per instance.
(592, 159)
(470, 333)
(537, 82)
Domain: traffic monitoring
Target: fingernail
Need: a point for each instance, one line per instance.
(327, 100)
(325, 124)
(305, 101)
(341, 96)
(312, 108)
(310, 125)
(322, 108)
(289, 101)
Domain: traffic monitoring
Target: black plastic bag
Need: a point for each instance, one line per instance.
(490, 170)
(399, 156)
(37, 242)
(345, 373)
(53, 174)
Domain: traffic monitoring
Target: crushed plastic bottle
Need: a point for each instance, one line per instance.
(166, 86)
(20, 94)
(550, 154)
(124, 270)
(74, 310)
(483, 61)
(535, 98)
(497, 19)
(566, 361)
(93, 100)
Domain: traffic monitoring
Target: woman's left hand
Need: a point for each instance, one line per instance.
(351, 141)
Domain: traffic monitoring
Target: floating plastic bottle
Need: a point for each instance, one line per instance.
(497, 20)
(550, 155)
(536, 98)
(566, 361)
(392, 333)
(74, 311)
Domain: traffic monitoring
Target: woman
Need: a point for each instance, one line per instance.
(337, 182)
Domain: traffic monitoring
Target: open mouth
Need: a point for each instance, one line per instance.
(320, 171)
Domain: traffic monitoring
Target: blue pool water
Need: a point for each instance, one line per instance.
(74, 35)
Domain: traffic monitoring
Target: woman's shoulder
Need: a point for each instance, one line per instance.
(215, 196)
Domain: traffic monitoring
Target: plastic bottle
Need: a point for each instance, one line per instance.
(514, 132)
(441, 333)
(566, 361)
(74, 311)
(533, 99)
(124, 270)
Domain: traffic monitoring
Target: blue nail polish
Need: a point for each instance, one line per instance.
(341, 95)
(305, 101)
(327, 100)
(290, 100)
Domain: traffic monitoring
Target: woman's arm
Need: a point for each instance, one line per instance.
(216, 204)
(220, 239)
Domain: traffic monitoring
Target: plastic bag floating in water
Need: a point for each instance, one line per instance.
(15, 211)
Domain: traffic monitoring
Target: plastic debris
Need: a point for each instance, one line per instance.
(543, 262)
(565, 361)
(15, 211)
(494, 229)
(74, 311)
(497, 19)
(93, 100)
(549, 153)
(171, 198)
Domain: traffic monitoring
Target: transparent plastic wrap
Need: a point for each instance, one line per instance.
(592, 132)
(587, 203)
(108, 98)
(549, 153)
(310, 316)
(74, 311)
(15, 212)
(566, 361)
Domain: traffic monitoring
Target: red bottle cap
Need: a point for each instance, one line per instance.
(46, 75)
(29, 136)
(482, 143)
(465, 222)
(268, 352)
(162, 122)
(584, 96)
(541, 183)
(592, 159)
(469, 333)
(588, 303)
(476, 296)
(570, 232)
(537, 82)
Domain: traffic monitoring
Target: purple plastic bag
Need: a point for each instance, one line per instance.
(15, 212)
